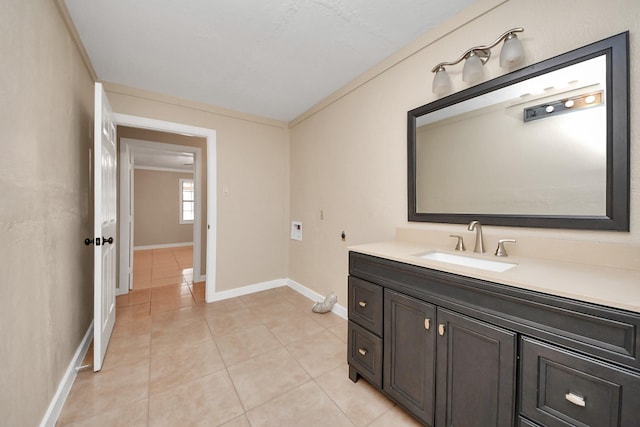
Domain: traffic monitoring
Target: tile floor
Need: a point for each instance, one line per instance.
(257, 360)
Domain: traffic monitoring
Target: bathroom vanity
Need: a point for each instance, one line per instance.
(459, 346)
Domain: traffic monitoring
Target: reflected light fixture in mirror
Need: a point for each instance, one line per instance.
(512, 54)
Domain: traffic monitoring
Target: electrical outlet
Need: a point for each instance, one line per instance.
(296, 230)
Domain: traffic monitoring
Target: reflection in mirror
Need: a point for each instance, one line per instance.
(546, 146)
(555, 165)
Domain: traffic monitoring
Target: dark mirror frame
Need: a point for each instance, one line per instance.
(616, 49)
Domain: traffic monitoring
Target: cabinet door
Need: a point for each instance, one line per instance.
(409, 354)
(475, 372)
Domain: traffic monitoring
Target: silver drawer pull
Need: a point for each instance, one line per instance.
(362, 304)
(575, 399)
(427, 324)
(363, 351)
(441, 329)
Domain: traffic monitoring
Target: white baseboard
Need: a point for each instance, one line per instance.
(162, 246)
(338, 309)
(245, 290)
(57, 403)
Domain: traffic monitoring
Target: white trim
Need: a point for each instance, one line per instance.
(211, 221)
(125, 222)
(212, 218)
(159, 169)
(162, 246)
(57, 403)
(338, 309)
(249, 289)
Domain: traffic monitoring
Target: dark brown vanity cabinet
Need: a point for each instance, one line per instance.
(364, 348)
(563, 388)
(440, 362)
(458, 351)
(475, 372)
(410, 354)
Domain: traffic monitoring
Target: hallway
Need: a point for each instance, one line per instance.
(164, 276)
(262, 359)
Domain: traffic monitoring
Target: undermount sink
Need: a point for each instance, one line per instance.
(466, 261)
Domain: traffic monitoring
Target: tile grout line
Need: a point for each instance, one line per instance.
(226, 368)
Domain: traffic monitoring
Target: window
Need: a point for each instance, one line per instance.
(187, 201)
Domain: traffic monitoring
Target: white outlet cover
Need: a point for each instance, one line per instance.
(296, 230)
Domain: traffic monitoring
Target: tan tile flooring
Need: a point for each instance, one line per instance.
(257, 360)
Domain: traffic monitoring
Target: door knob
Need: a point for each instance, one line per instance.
(88, 241)
(105, 240)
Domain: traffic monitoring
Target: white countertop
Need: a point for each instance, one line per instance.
(608, 286)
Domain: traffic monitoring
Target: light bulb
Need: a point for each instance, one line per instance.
(473, 68)
(512, 52)
(441, 82)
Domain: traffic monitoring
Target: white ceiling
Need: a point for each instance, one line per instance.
(271, 58)
(153, 158)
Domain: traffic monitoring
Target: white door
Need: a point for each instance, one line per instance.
(104, 217)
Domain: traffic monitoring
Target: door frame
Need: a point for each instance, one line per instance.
(127, 207)
(211, 219)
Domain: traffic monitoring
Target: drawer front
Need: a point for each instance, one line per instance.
(562, 388)
(365, 353)
(523, 422)
(365, 304)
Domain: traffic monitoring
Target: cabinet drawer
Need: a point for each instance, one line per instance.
(562, 388)
(523, 422)
(365, 304)
(365, 353)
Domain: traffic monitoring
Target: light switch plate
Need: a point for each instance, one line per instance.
(296, 230)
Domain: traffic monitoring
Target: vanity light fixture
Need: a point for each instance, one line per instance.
(512, 53)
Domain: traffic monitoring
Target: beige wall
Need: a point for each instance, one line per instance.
(156, 217)
(348, 155)
(347, 158)
(252, 165)
(46, 271)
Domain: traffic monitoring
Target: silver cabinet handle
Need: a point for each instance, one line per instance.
(575, 399)
(427, 324)
(362, 304)
(363, 351)
(441, 329)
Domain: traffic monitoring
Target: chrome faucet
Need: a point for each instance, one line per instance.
(475, 225)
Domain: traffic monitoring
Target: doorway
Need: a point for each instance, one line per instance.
(204, 228)
(158, 170)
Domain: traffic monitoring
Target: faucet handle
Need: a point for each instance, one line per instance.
(459, 243)
(501, 251)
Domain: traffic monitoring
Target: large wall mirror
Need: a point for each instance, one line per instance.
(544, 146)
